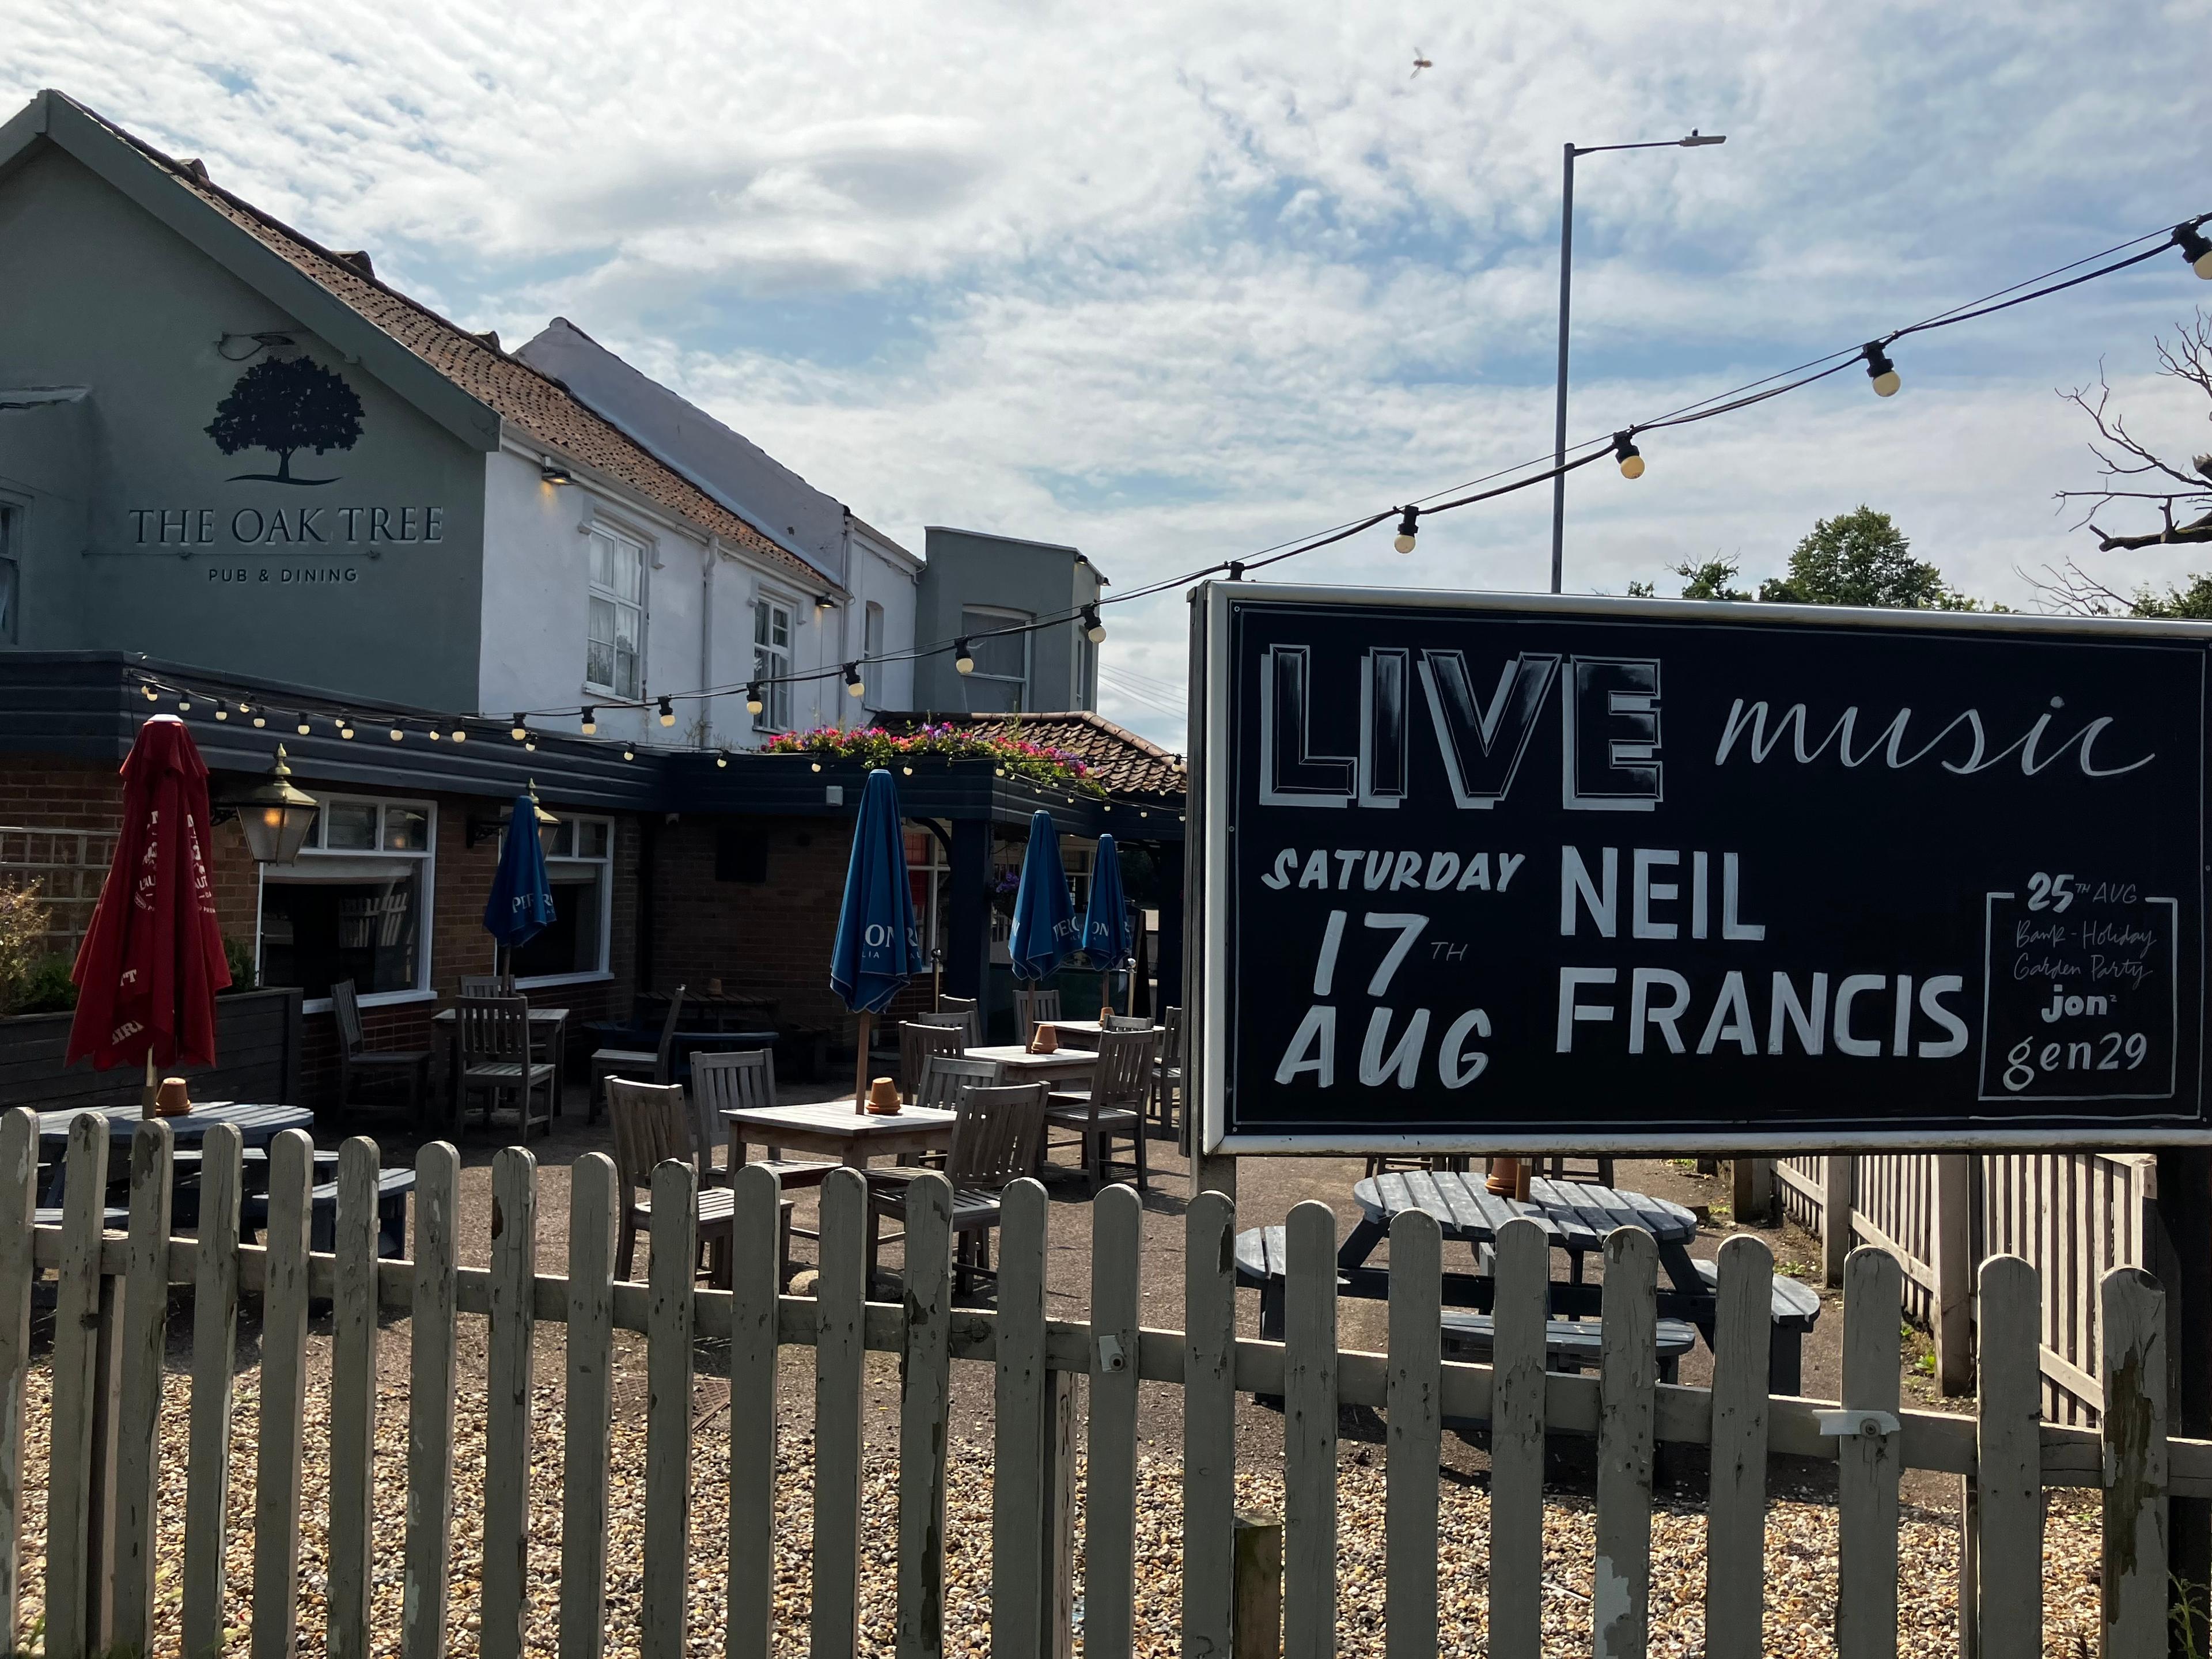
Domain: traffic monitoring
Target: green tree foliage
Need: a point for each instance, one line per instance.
(2190, 603)
(1861, 558)
(1711, 580)
(285, 406)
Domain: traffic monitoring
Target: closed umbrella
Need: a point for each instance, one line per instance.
(1044, 931)
(521, 903)
(877, 949)
(1106, 922)
(152, 960)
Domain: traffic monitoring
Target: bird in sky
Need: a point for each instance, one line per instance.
(1420, 62)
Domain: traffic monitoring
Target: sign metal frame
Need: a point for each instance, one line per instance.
(1212, 746)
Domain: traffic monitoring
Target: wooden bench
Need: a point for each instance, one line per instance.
(1796, 1308)
(392, 1187)
(1569, 1345)
(1263, 1264)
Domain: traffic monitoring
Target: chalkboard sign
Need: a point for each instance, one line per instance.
(1495, 872)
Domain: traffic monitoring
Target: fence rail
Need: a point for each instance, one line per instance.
(112, 1302)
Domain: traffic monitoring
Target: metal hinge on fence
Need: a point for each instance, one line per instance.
(1852, 1425)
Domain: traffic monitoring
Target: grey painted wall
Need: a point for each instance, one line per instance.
(968, 567)
(369, 581)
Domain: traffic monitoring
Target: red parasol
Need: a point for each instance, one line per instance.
(149, 967)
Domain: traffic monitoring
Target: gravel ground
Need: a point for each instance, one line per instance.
(1801, 1553)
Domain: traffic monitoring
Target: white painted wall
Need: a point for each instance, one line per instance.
(885, 574)
(536, 581)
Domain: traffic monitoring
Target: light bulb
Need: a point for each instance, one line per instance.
(754, 702)
(817, 766)
(517, 730)
(152, 695)
(628, 753)
(531, 744)
(2194, 249)
(346, 732)
(963, 660)
(1409, 528)
(855, 685)
(220, 712)
(436, 734)
(722, 757)
(668, 711)
(1095, 629)
(184, 705)
(460, 735)
(303, 726)
(397, 734)
(1630, 458)
(260, 721)
(1880, 370)
(591, 721)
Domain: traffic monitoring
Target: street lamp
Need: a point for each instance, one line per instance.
(1696, 140)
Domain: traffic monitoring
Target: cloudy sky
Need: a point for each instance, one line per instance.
(1178, 283)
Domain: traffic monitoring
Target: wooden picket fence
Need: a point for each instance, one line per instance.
(112, 1290)
(2072, 1216)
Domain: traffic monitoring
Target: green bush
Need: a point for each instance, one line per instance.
(47, 988)
(24, 919)
(239, 956)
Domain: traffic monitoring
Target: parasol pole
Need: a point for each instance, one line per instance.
(860, 1063)
(153, 1086)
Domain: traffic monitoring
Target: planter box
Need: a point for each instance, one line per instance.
(257, 1044)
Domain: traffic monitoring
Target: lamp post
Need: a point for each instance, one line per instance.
(1696, 140)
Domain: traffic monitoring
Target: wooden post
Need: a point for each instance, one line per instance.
(1751, 1194)
(1839, 1194)
(860, 1062)
(1954, 1268)
(1258, 1576)
(1212, 1172)
(2183, 1270)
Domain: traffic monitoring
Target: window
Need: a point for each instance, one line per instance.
(357, 905)
(1001, 684)
(871, 631)
(929, 874)
(10, 579)
(771, 661)
(614, 654)
(1086, 670)
(580, 867)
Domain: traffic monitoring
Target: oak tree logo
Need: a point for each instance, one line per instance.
(283, 406)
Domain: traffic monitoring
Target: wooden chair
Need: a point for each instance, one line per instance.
(364, 1067)
(652, 1125)
(745, 1081)
(1126, 1023)
(945, 1078)
(963, 1020)
(496, 1057)
(1032, 1004)
(995, 1140)
(1597, 1170)
(606, 1062)
(1113, 1106)
(487, 985)
(918, 1042)
(1167, 1073)
(958, 1004)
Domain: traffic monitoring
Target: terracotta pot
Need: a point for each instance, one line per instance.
(1045, 1040)
(173, 1100)
(883, 1097)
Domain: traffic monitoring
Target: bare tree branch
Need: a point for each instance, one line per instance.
(2121, 456)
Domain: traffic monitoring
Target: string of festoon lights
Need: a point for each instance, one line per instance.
(1620, 444)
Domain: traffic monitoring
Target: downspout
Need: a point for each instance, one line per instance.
(706, 622)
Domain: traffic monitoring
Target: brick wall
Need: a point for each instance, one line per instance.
(81, 795)
(770, 938)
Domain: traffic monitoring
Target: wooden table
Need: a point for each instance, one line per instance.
(1020, 1066)
(832, 1129)
(256, 1124)
(546, 1025)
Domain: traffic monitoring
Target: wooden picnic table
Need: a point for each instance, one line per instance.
(1065, 1065)
(258, 1124)
(712, 1010)
(832, 1129)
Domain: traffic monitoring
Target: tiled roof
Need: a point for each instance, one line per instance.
(1123, 762)
(516, 392)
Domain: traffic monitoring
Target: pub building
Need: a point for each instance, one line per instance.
(245, 481)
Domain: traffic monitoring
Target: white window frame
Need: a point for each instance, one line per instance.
(776, 701)
(607, 864)
(1002, 617)
(11, 573)
(624, 540)
(429, 861)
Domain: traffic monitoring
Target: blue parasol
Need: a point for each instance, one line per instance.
(877, 949)
(521, 903)
(1106, 923)
(1044, 930)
